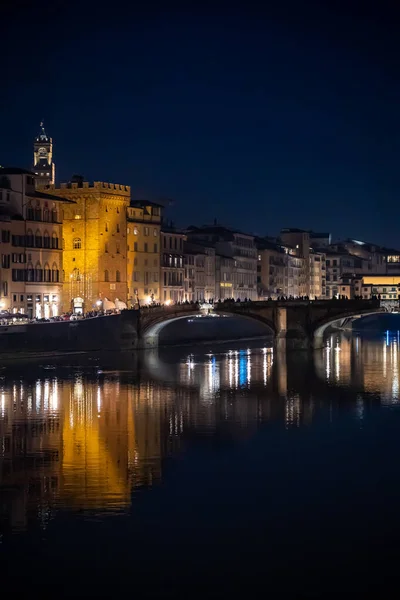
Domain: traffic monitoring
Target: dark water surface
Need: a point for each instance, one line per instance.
(205, 472)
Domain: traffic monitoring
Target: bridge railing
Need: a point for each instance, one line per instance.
(226, 305)
(350, 304)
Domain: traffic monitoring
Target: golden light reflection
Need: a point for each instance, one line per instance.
(93, 440)
(370, 364)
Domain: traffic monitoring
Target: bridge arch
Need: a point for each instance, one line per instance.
(319, 328)
(152, 327)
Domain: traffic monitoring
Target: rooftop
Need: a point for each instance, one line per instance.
(169, 229)
(312, 234)
(368, 246)
(217, 230)
(141, 203)
(45, 196)
(95, 187)
(15, 171)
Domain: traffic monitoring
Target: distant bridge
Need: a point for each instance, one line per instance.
(295, 324)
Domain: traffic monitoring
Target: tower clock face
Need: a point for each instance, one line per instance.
(42, 152)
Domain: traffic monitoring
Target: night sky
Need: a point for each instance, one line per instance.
(261, 118)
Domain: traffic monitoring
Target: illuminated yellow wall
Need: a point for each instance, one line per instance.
(98, 268)
(382, 280)
(143, 241)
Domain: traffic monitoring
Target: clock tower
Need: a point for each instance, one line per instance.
(43, 165)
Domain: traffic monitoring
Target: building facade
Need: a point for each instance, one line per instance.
(386, 287)
(317, 284)
(238, 246)
(312, 278)
(195, 278)
(144, 243)
(172, 265)
(279, 270)
(94, 244)
(199, 262)
(224, 273)
(300, 241)
(31, 246)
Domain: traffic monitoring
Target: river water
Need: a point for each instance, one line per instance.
(203, 471)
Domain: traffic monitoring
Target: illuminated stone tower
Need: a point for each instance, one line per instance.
(43, 165)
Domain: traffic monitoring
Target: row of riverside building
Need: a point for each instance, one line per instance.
(81, 246)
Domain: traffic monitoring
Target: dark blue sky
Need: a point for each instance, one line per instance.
(262, 118)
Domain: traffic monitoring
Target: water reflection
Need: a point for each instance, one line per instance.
(86, 440)
(369, 365)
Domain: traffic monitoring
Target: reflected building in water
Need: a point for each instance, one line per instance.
(77, 443)
(86, 442)
(370, 366)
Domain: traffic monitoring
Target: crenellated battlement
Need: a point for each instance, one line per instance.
(113, 188)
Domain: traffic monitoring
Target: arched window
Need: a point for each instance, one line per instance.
(30, 213)
(38, 239)
(46, 214)
(54, 241)
(46, 240)
(77, 243)
(54, 214)
(117, 276)
(38, 212)
(106, 277)
(29, 238)
(38, 272)
(46, 273)
(55, 273)
(30, 272)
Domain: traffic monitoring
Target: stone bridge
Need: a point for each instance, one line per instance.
(301, 324)
(295, 324)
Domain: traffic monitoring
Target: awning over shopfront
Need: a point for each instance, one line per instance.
(108, 305)
(119, 305)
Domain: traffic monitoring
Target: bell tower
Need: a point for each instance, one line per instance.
(43, 165)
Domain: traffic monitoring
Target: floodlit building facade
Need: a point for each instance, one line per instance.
(172, 265)
(94, 244)
(144, 242)
(31, 246)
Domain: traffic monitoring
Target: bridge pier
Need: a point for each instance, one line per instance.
(289, 336)
(292, 340)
